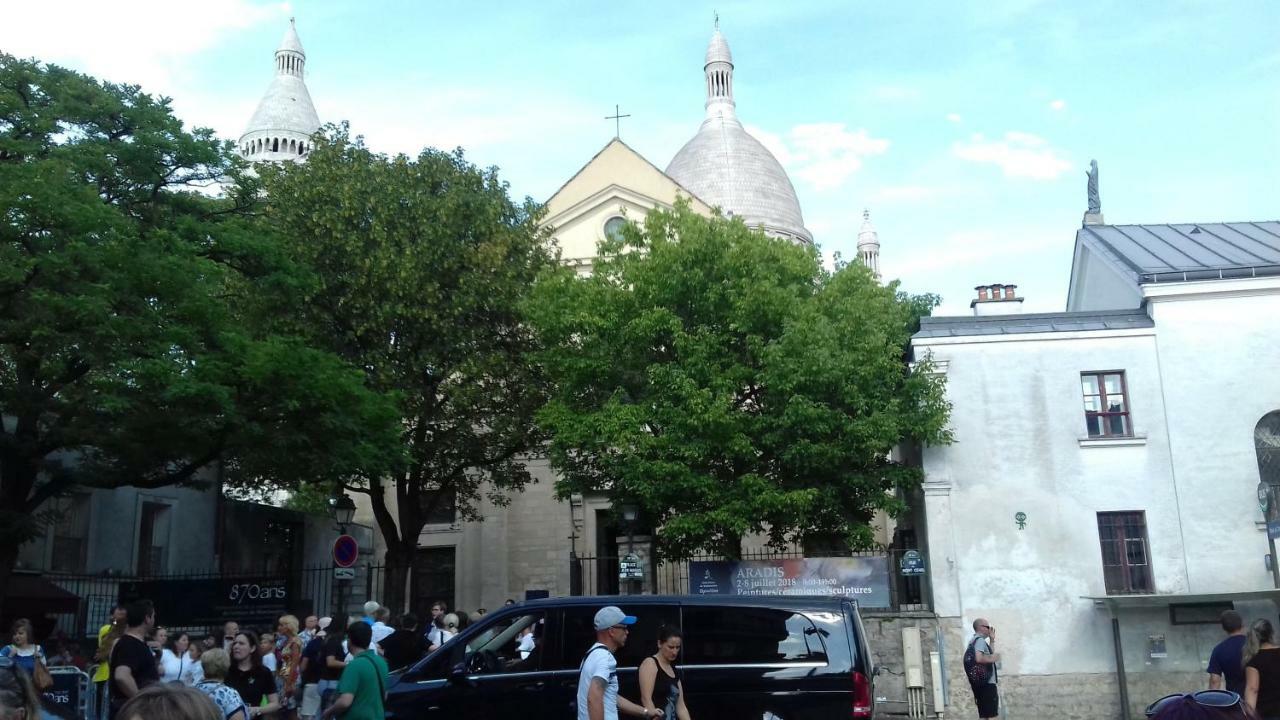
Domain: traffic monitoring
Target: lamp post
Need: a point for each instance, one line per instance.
(343, 509)
(629, 515)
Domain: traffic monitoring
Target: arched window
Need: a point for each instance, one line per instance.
(275, 145)
(300, 148)
(1266, 441)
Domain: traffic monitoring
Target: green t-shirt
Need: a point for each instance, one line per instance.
(364, 677)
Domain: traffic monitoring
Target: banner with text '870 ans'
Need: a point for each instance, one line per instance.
(207, 602)
(864, 579)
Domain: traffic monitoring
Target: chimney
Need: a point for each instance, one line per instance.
(997, 299)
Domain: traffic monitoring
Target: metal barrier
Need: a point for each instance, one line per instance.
(70, 698)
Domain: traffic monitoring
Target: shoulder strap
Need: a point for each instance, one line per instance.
(381, 688)
(594, 648)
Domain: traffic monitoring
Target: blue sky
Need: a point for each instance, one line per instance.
(965, 127)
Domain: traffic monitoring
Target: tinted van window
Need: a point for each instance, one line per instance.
(744, 635)
(579, 634)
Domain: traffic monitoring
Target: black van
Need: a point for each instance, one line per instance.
(797, 657)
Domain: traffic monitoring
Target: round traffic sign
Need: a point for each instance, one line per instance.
(345, 551)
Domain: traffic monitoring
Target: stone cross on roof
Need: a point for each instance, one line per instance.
(616, 117)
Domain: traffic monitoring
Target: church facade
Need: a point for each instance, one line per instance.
(540, 543)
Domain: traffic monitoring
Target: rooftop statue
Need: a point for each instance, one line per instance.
(1095, 203)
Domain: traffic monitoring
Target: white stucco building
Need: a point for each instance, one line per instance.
(1102, 487)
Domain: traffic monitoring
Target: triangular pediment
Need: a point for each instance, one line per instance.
(618, 181)
(618, 164)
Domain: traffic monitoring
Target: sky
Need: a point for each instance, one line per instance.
(965, 128)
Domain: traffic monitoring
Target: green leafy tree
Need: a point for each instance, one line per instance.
(727, 384)
(419, 271)
(128, 355)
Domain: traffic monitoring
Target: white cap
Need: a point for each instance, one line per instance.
(371, 607)
(612, 615)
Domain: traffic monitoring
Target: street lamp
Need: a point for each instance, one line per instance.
(630, 512)
(343, 509)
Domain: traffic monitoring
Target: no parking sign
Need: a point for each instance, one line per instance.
(345, 551)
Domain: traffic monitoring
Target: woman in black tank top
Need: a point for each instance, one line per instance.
(661, 687)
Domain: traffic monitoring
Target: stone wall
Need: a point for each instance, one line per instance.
(1067, 696)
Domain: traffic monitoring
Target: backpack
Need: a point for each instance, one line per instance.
(978, 673)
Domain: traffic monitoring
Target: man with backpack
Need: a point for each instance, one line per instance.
(980, 666)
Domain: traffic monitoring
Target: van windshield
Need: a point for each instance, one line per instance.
(513, 644)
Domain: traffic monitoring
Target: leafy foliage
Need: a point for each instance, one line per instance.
(418, 270)
(727, 384)
(129, 355)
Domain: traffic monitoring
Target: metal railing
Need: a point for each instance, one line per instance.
(210, 598)
(591, 575)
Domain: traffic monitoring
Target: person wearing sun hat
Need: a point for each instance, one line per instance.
(598, 697)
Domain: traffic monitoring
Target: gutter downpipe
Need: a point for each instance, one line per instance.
(1120, 674)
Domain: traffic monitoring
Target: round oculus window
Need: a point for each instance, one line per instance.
(613, 227)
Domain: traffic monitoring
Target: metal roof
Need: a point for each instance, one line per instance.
(1203, 251)
(1021, 324)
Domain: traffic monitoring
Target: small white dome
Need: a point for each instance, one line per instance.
(285, 106)
(282, 126)
(290, 40)
(718, 50)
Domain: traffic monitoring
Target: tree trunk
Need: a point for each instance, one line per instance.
(398, 560)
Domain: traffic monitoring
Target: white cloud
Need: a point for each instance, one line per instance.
(954, 117)
(1058, 104)
(145, 42)
(822, 154)
(1019, 155)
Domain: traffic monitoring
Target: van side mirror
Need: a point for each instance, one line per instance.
(459, 675)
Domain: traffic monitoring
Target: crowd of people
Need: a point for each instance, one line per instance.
(301, 670)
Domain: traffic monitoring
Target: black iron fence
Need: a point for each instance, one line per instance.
(908, 592)
(196, 602)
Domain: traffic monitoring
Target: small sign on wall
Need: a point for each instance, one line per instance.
(1155, 647)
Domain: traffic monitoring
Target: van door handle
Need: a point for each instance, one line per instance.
(536, 686)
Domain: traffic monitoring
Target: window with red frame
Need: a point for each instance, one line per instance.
(1126, 560)
(1106, 404)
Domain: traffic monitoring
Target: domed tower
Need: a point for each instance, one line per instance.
(282, 126)
(725, 166)
(869, 244)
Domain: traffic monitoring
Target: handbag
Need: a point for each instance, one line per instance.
(42, 679)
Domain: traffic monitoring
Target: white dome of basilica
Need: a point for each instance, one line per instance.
(725, 166)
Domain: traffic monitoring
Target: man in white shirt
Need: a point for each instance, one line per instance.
(381, 630)
(598, 697)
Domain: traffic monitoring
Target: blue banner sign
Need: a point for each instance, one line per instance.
(864, 579)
